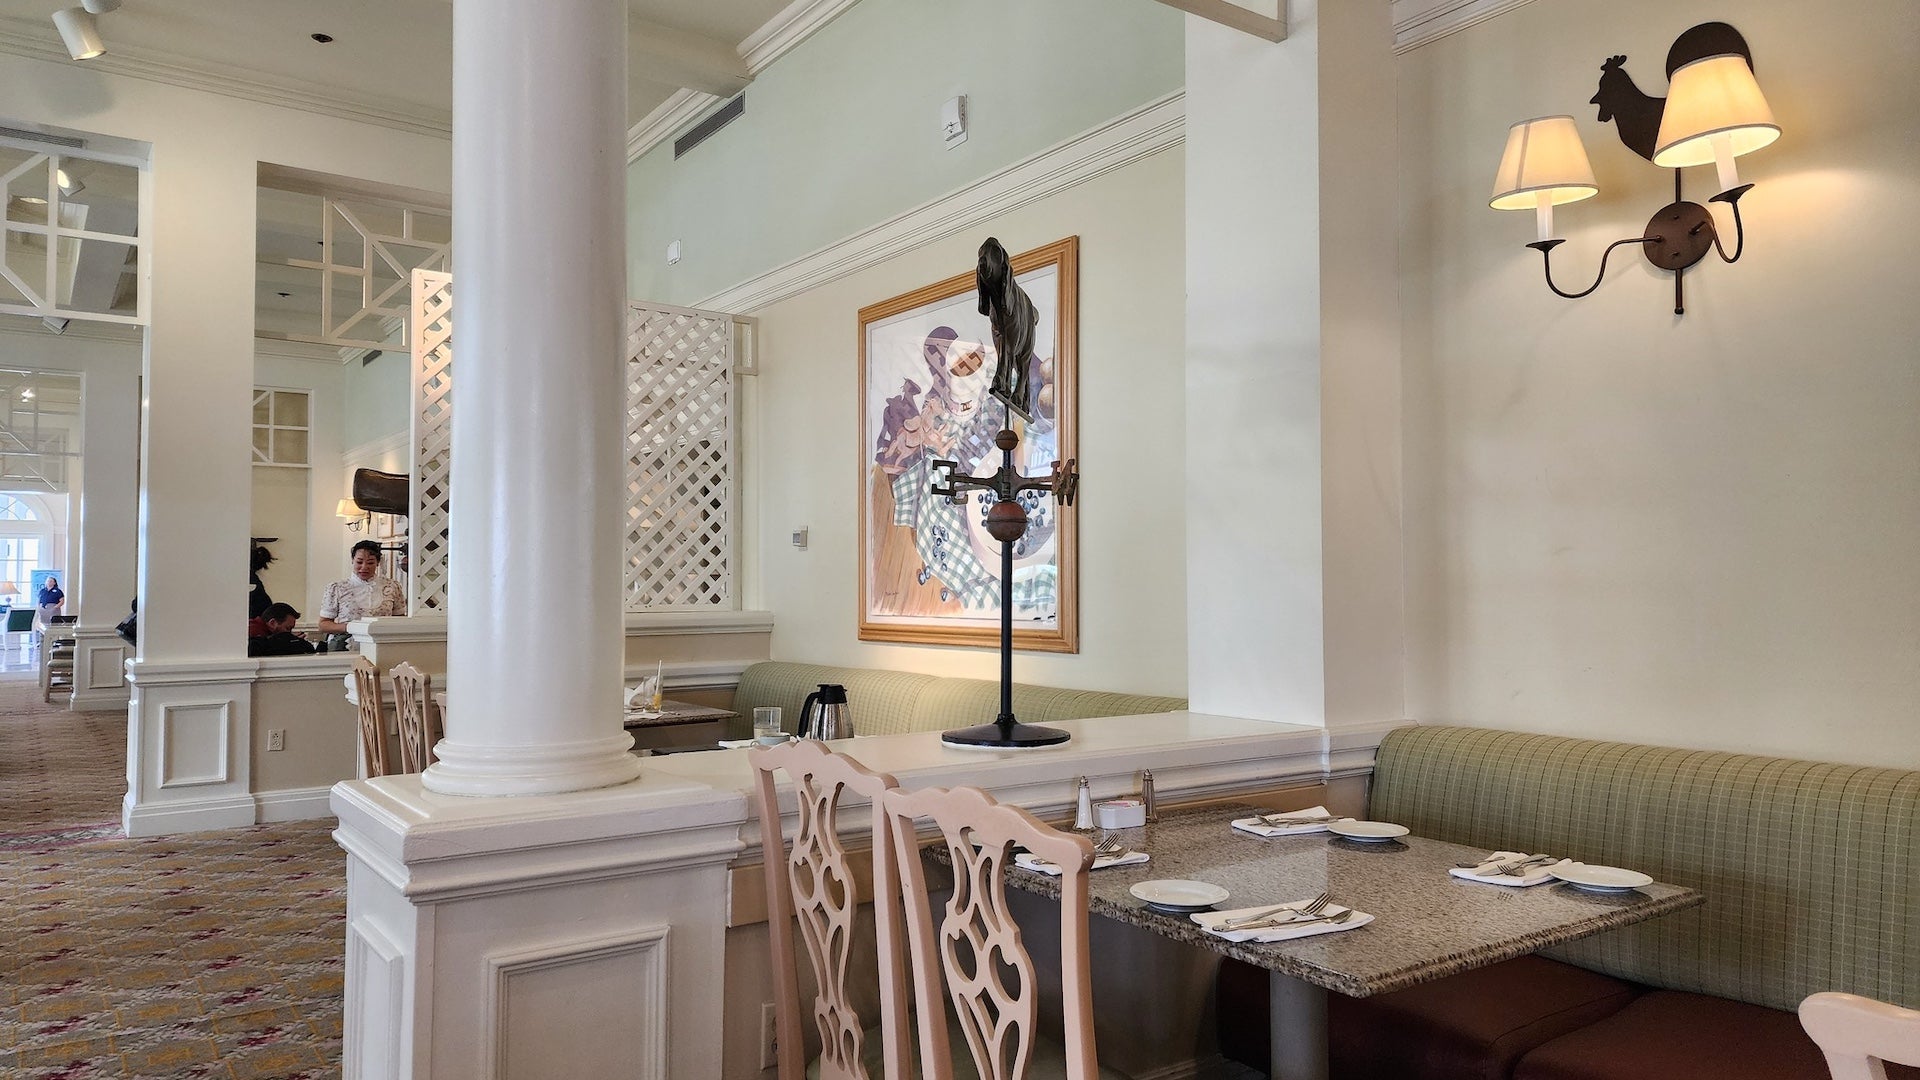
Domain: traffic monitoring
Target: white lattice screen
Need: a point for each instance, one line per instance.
(679, 542)
(432, 440)
(679, 445)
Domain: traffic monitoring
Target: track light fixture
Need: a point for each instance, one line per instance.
(69, 187)
(79, 32)
(1713, 113)
(100, 7)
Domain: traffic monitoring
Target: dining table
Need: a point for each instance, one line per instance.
(1426, 923)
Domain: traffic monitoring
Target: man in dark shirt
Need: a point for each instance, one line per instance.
(272, 633)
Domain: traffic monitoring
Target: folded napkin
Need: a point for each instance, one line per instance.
(1532, 875)
(1027, 860)
(1258, 827)
(1210, 922)
(737, 744)
(644, 714)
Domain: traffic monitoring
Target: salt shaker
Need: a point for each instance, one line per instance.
(1083, 814)
(1146, 794)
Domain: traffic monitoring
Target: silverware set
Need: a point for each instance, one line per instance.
(1280, 915)
(1509, 868)
(1108, 846)
(1301, 819)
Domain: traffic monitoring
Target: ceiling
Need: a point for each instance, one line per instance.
(395, 54)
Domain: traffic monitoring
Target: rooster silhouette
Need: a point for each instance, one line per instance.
(1636, 115)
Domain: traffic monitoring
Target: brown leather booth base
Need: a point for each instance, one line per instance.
(1667, 1034)
(1471, 1026)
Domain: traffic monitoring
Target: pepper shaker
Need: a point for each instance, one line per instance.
(1146, 794)
(1083, 815)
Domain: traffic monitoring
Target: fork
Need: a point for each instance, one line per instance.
(1312, 907)
(1299, 819)
(1273, 924)
(1108, 845)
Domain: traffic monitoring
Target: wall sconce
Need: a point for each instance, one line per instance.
(349, 511)
(1714, 112)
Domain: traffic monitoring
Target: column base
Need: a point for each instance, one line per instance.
(99, 669)
(531, 770)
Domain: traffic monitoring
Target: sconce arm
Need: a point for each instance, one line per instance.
(1545, 248)
(1731, 197)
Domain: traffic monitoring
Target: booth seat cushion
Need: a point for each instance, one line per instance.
(1471, 1026)
(872, 693)
(1671, 1034)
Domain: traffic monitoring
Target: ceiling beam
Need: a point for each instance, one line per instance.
(1228, 13)
(670, 57)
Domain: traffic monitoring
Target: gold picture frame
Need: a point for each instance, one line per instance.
(928, 572)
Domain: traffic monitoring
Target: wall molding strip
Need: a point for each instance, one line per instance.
(1420, 22)
(1155, 126)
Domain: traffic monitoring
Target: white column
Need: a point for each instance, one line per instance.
(109, 500)
(535, 638)
(1294, 576)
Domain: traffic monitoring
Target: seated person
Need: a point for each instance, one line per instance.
(272, 633)
(363, 596)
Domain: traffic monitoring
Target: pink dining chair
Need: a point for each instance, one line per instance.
(813, 883)
(988, 973)
(373, 723)
(1858, 1035)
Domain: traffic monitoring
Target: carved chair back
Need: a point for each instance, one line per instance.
(988, 973)
(1858, 1034)
(373, 725)
(814, 885)
(419, 727)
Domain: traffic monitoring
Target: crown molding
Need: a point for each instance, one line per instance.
(25, 38)
(1119, 142)
(779, 36)
(794, 24)
(1420, 22)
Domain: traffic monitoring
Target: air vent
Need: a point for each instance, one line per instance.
(721, 117)
(43, 139)
(370, 357)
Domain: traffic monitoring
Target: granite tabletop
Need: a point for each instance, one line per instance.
(1427, 924)
(678, 712)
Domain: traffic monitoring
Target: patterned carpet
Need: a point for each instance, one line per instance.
(208, 955)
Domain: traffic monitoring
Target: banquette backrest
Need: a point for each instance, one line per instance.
(1811, 869)
(894, 702)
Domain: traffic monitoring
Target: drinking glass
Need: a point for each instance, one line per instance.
(766, 724)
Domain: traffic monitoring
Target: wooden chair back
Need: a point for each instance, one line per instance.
(812, 883)
(373, 725)
(419, 729)
(1858, 1035)
(988, 973)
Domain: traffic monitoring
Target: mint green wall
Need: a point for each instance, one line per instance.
(844, 132)
(378, 398)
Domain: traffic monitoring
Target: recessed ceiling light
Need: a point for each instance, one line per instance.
(323, 39)
(31, 200)
(283, 295)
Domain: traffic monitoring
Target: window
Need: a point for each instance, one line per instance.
(281, 425)
(19, 558)
(12, 509)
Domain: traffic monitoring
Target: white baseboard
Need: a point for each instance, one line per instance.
(293, 804)
(199, 815)
(100, 700)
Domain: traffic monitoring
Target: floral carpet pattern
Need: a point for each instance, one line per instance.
(214, 954)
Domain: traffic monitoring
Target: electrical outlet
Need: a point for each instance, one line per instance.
(769, 1037)
(276, 739)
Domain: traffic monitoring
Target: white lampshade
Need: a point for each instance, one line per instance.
(79, 32)
(348, 509)
(1544, 155)
(1713, 101)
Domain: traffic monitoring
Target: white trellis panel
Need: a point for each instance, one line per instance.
(680, 489)
(431, 440)
(680, 505)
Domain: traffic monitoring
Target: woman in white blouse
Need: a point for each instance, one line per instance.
(362, 596)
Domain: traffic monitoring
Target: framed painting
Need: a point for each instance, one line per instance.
(929, 573)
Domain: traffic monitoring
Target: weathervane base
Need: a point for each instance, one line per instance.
(1013, 736)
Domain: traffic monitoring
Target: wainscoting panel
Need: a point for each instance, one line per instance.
(376, 969)
(546, 1004)
(194, 748)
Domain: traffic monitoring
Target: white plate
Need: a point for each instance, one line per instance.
(1372, 832)
(1600, 878)
(1175, 894)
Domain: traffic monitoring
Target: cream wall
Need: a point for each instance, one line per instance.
(1697, 531)
(804, 456)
